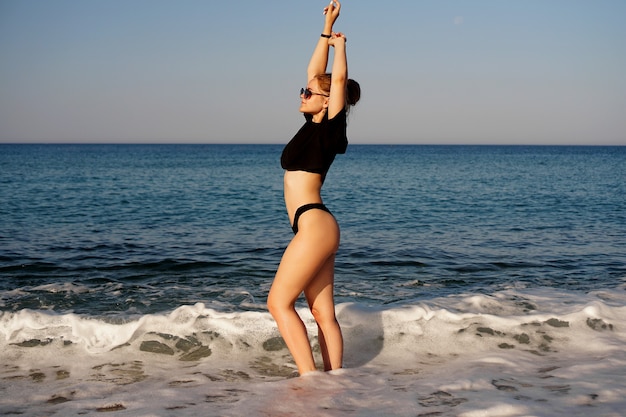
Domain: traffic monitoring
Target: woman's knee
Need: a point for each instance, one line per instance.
(272, 303)
(278, 306)
(324, 317)
(273, 306)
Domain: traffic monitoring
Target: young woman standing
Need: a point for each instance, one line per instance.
(309, 261)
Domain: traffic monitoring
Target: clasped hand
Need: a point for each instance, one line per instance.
(332, 11)
(336, 37)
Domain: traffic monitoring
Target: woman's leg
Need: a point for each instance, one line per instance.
(301, 262)
(319, 294)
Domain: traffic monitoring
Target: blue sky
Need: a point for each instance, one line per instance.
(431, 71)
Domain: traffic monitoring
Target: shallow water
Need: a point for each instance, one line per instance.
(470, 281)
(514, 353)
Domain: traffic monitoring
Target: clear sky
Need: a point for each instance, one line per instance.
(206, 71)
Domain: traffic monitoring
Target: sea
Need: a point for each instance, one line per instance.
(470, 281)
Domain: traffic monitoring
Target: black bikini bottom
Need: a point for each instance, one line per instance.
(303, 209)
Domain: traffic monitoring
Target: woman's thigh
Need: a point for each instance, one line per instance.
(305, 257)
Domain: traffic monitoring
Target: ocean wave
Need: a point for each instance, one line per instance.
(541, 321)
(510, 352)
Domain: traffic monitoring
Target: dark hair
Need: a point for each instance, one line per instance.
(353, 94)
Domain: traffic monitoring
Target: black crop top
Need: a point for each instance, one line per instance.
(314, 147)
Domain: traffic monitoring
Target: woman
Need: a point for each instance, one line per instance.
(309, 261)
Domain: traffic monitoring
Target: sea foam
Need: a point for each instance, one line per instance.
(509, 354)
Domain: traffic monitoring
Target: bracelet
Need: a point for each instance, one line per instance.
(325, 36)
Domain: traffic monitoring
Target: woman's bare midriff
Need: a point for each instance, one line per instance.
(300, 188)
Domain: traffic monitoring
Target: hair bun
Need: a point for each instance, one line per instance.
(354, 92)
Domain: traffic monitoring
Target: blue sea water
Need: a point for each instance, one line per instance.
(146, 228)
(470, 280)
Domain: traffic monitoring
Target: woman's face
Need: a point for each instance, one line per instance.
(316, 102)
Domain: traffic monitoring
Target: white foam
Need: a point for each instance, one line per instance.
(518, 352)
(65, 287)
(500, 410)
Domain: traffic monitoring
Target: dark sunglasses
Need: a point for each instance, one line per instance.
(306, 93)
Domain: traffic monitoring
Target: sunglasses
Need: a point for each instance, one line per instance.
(306, 93)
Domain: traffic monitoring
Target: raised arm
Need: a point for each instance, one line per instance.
(319, 59)
(339, 75)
